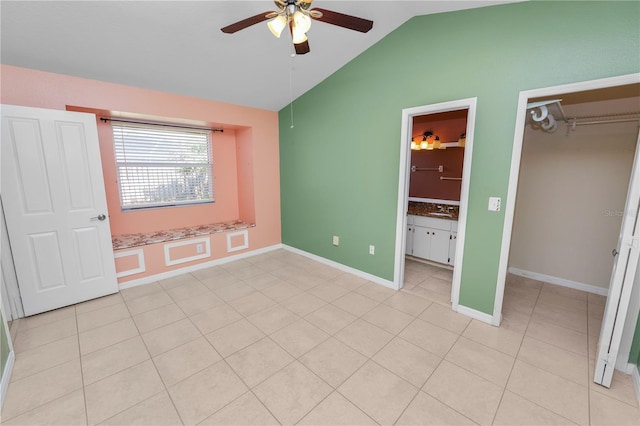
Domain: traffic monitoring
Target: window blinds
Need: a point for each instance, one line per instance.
(162, 166)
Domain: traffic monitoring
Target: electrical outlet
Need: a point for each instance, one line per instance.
(336, 240)
(372, 249)
(199, 248)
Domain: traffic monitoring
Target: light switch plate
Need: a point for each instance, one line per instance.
(336, 240)
(494, 204)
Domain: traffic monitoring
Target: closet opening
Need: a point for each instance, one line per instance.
(572, 204)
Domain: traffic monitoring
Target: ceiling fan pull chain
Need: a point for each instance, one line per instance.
(291, 87)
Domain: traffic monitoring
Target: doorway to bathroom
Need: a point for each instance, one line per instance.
(435, 169)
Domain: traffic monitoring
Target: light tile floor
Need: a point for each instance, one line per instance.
(281, 339)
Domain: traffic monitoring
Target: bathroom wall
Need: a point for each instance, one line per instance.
(427, 183)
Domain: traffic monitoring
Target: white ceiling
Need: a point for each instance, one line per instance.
(177, 46)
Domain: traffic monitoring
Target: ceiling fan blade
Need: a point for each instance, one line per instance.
(245, 23)
(302, 48)
(343, 20)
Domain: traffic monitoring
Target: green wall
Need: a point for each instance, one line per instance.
(339, 164)
(634, 353)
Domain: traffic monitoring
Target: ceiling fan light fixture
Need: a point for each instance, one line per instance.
(277, 24)
(297, 15)
(301, 21)
(298, 36)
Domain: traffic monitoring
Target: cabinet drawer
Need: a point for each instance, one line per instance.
(430, 222)
(410, 219)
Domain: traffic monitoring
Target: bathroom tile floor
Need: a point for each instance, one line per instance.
(281, 339)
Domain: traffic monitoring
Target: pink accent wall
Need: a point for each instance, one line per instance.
(225, 178)
(246, 199)
(246, 162)
(127, 263)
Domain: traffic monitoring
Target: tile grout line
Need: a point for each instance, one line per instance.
(549, 372)
(427, 380)
(155, 368)
(322, 281)
(297, 359)
(84, 395)
(50, 368)
(372, 360)
(515, 359)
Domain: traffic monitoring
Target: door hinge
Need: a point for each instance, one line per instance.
(607, 359)
(631, 242)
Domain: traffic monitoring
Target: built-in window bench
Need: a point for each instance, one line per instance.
(136, 240)
(176, 246)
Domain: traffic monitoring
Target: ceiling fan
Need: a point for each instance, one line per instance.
(297, 15)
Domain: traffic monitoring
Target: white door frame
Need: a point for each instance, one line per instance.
(516, 155)
(8, 366)
(403, 194)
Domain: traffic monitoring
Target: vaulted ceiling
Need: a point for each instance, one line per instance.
(177, 46)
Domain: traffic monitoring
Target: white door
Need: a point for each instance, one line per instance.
(55, 207)
(624, 270)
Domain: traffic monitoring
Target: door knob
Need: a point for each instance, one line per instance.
(614, 252)
(100, 217)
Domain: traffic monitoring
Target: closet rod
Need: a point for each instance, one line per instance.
(604, 121)
(155, 123)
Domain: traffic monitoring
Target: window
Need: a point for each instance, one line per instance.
(160, 166)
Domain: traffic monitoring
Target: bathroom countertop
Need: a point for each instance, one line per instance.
(435, 210)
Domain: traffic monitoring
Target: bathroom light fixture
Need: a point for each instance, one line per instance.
(437, 144)
(429, 142)
(462, 140)
(425, 143)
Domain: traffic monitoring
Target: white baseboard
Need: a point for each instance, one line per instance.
(197, 267)
(635, 375)
(6, 377)
(480, 316)
(342, 267)
(560, 281)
